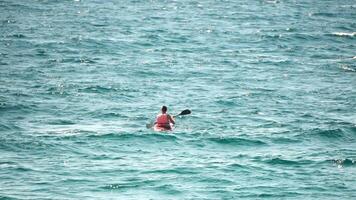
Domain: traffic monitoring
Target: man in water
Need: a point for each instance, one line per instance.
(164, 120)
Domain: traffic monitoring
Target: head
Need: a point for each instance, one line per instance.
(164, 109)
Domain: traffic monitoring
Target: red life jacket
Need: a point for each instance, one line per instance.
(162, 120)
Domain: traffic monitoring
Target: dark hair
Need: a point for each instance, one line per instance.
(164, 109)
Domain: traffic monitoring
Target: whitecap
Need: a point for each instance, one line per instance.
(347, 68)
(344, 34)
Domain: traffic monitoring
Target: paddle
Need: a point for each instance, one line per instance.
(184, 112)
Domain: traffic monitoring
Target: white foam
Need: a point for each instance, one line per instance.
(347, 68)
(344, 34)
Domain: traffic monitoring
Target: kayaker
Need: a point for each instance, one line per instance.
(164, 120)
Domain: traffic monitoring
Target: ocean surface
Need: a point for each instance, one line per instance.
(270, 83)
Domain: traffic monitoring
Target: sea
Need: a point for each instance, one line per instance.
(271, 85)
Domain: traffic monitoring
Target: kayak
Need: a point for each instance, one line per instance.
(159, 128)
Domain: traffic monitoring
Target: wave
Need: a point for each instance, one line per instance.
(344, 34)
(178, 170)
(63, 89)
(237, 166)
(22, 6)
(110, 115)
(168, 188)
(137, 183)
(61, 122)
(97, 89)
(133, 136)
(337, 134)
(344, 162)
(17, 107)
(226, 102)
(104, 89)
(280, 161)
(8, 127)
(330, 134)
(69, 59)
(130, 183)
(18, 36)
(16, 143)
(4, 127)
(301, 36)
(285, 140)
(326, 14)
(15, 166)
(349, 68)
(234, 141)
(299, 162)
(3, 63)
(7, 198)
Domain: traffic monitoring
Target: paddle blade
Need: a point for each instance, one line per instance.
(185, 112)
(150, 125)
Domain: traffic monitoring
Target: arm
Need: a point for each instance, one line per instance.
(171, 119)
(155, 121)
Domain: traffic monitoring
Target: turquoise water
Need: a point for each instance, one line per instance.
(271, 86)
